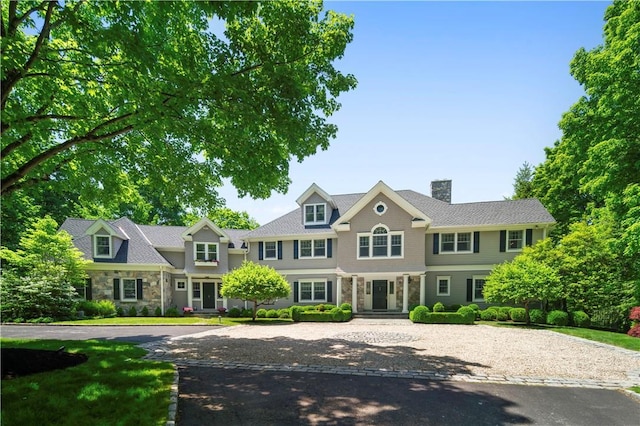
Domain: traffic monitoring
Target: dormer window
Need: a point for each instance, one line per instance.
(102, 246)
(314, 214)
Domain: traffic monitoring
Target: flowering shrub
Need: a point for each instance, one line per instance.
(634, 315)
(634, 331)
(222, 310)
(187, 310)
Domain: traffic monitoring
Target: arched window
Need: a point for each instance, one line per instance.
(380, 242)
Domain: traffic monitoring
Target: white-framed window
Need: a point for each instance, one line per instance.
(313, 248)
(456, 242)
(270, 250)
(380, 242)
(380, 208)
(315, 214)
(181, 285)
(196, 292)
(443, 286)
(102, 246)
(129, 289)
(205, 252)
(515, 240)
(478, 287)
(312, 290)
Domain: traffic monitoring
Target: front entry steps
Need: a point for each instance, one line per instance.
(381, 315)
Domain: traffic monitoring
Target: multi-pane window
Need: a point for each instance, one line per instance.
(102, 246)
(206, 252)
(443, 286)
(181, 285)
(128, 289)
(313, 291)
(456, 242)
(478, 287)
(515, 240)
(196, 290)
(313, 248)
(314, 213)
(380, 243)
(270, 250)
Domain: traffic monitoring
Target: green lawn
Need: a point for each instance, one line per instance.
(114, 387)
(616, 339)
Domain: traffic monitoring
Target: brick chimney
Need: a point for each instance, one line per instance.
(441, 190)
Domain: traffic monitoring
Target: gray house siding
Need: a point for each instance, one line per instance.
(396, 219)
(457, 287)
(175, 258)
(288, 262)
(206, 236)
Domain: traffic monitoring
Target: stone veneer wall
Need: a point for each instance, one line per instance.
(414, 290)
(102, 287)
(360, 287)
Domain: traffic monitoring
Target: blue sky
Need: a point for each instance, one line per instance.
(466, 91)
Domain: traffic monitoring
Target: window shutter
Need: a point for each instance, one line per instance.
(529, 237)
(436, 243)
(295, 292)
(260, 250)
(329, 291)
(469, 290)
(329, 247)
(88, 289)
(139, 288)
(295, 249)
(279, 250)
(116, 289)
(503, 241)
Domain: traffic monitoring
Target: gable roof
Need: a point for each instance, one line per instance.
(316, 189)
(202, 223)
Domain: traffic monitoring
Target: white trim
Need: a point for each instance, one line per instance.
(423, 290)
(443, 278)
(135, 289)
(206, 252)
(205, 222)
(291, 237)
(95, 246)
(455, 243)
(473, 294)
(313, 282)
(314, 188)
(264, 254)
(313, 248)
(380, 204)
(110, 266)
(370, 235)
(315, 220)
(523, 240)
(176, 283)
(459, 268)
(100, 224)
(487, 228)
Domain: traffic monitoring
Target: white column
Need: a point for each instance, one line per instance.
(190, 292)
(423, 290)
(405, 294)
(339, 291)
(354, 293)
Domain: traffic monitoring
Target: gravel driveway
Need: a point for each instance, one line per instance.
(399, 345)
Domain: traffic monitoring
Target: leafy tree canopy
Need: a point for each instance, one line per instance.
(523, 183)
(226, 218)
(119, 99)
(255, 283)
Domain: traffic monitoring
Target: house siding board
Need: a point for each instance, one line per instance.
(206, 235)
(457, 287)
(288, 262)
(293, 279)
(396, 219)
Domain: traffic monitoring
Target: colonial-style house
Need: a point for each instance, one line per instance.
(382, 250)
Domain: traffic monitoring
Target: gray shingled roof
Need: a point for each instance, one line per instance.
(507, 212)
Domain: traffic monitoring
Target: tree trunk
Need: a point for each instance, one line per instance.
(526, 312)
(255, 309)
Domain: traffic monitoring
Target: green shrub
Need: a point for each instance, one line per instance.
(145, 311)
(132, 312)
(119, 311)
(580, 319)
(468, 314)
(475, 307)
(501, 315)
(518, 314)
(346, 307)
(413, 306)
(320, 308)
(171, 312)
(284, 314)
(234, 312)
(89, 307)
(272, 313)
(489, 315)
(296, 311)
(505, 310)
(558, 318)
(246, 313)
(453, 308)
(315, 316)
(336, 314)
(261, 313)
(329, 306)
(106, 308)
(465, 317)
(158, 311)
(419, 313)
(309, 308)
(537, 316)
(438, 307)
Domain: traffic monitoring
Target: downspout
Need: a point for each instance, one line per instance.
(162, 290)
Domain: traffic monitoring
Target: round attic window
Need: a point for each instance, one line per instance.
(380, 208)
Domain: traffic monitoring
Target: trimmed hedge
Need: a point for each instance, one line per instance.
(558, 318)
(325, 316)
(580, 319)
(518, 314)
(537, 316)
(421, 314)
(438, 307)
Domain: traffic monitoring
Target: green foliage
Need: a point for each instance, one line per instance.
(100, 308)
(38, 279)
(438, 307)
(225, 218)
(489, 315)
(463, 316)
(346, 307)
(419, 313)
(518, 314)
(284, 313)
(145, 311)
(158, 311)
(124, 95)
(255, 283)
(538, 316)
(468, 314)
(261, 313)
(246, 313)
(296, 312)
(272, 313)
(132, 312)
(558, 318)
(413, 306)
(324, 316)
(171, 312)
(120, 311)
(580, 319)
(234, 312)
(475, 307)
(320, 308)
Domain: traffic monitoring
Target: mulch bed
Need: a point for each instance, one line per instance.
(22, 362)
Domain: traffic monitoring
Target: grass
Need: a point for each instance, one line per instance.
(114, 387)
(173, 321)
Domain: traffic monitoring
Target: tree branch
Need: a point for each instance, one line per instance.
(16, 21)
